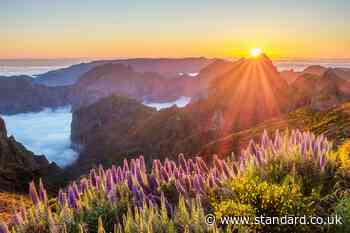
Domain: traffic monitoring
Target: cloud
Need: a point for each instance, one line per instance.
(46, 132)
(180, 102)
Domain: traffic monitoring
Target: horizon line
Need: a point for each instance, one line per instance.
(167, 57)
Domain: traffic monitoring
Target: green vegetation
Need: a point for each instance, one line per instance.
(290, 174)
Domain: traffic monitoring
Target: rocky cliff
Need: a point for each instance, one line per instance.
(18, 166)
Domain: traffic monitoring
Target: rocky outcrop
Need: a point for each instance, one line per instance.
(18, 166)
(19, 94)
(117, 127)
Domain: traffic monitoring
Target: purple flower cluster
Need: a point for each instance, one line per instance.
(303, 144)
(190, 177)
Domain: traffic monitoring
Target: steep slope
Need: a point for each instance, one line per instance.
(213, 70)
(18, 166)
(289, 75)
(116, 127)
(343, 73)
(101, 130)
(19, 94)
(250, 93)
(333, 123)
(119, 79)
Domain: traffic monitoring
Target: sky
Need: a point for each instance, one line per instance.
(181, 28)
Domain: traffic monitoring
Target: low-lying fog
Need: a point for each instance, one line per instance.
(180, 102)
(46, 132)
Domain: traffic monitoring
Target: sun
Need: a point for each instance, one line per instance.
(256, 52)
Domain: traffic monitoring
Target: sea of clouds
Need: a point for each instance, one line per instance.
(46, 132)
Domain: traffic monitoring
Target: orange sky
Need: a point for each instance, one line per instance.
(39, 29)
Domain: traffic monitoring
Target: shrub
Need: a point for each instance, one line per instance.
(280, 175)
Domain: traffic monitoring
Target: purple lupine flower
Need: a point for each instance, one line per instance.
(125, 166)
(176, 173)
(42, 192)
(109, 181)
(3, 228)
(191, 166)
(139, 176)
(84, 185)
(167, 166)
(135, 194)
(322, 162)
(201, 164)
(183, 162)
(152, 182)
(112, 196)
(265, 140)
(17, 219)
(114, 174)
(72, 198)
(93, 177)
(62, 198)
(101, 171)
(33, 193)
(241, 166)
(164, 174)
(154, 199)
(211, 181)
(253, 150)
(120, 175)
(167, 204)
(99, 183)
(143, 164)
(76, 189)
(188, 182)
(258, 157)
(129, 180)
(197, 185)
(180, 188)
(155, 168)
(225, 169)
(234, 169)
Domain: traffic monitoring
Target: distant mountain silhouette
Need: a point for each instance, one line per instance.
(321, 92)
(19, 94)
(168, 67)
(119, 79)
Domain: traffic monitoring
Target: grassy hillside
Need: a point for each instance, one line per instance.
(333, 123)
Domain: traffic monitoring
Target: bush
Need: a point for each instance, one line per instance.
(254, 197)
